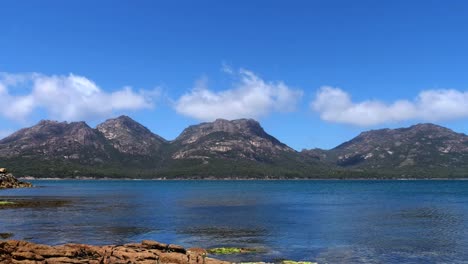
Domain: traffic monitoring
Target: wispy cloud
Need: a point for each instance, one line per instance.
(250, 97)
(70, 97)
(335, 105)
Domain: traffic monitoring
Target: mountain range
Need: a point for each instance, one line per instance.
(123, 148)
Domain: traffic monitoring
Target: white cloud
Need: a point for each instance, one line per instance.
(62, 97)
(251, 97)
(335, 105)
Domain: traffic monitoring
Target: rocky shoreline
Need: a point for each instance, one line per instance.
(146, 252)
(7, 181)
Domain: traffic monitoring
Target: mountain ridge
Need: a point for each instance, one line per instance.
(241, 148)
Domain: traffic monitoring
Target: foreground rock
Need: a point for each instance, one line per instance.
(7, 180)
(14, 251)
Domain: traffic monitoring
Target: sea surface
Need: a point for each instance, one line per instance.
(355, 221)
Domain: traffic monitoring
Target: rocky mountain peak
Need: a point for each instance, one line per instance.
(129, 136)
(246, 127)
(125, 120)
(45, 129)
(54, 139)
(45, 122)
(241, 138)
(124, 123)
(243, 126)
(430, 129)
(424, 143)
(427, 126)
(240, 123)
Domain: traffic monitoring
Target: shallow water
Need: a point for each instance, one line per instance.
(324, 221)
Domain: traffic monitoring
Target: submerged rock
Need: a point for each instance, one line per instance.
(13, 251)
(5, 235)
(7, 180)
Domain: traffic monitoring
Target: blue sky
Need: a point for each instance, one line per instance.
(314, 73)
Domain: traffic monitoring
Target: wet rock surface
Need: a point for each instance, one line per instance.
(14, 251)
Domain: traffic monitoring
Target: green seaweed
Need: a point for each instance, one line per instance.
(230, 250)
(33, 203)
(224, 251)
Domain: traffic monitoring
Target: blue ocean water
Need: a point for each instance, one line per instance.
(323, 221)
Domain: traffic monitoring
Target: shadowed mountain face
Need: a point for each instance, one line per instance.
(422, 145)
(237, 139)
(121, 147)
(130, 137)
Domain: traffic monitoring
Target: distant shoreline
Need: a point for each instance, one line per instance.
(238, 179)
